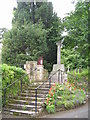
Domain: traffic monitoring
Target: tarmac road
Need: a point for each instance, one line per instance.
(80, 112)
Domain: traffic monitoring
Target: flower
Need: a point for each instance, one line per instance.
(54, 90)
(80, 89)
(51, 94)
(74, 88)
(77, 101)
(47, 100)
(54, 84)
(83, 89)
(50, 88)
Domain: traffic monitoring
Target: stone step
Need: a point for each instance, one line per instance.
(27, 98)
(26, 102)
(42, 88)
(23, 107)
(38, 91)
(45, 85)
(33, 95)
(19, 112)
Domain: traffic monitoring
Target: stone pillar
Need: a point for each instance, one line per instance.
(39, 72)
(30, 67)
(58, 52)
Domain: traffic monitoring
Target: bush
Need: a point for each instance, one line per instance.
(50, 108)
(66, 95)
(80, 80)
(59, 103)
(9, 75)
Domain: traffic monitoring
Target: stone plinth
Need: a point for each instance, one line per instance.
(56, 67)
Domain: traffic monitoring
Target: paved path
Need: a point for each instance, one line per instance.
(80, 112)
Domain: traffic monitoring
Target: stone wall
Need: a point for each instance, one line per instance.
(39, 74)
(30, 67)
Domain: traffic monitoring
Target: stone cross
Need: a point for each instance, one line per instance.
(59, 45)
(68, 68)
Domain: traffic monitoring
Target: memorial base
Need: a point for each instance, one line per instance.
(55, 78)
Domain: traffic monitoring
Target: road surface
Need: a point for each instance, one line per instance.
(80, 112)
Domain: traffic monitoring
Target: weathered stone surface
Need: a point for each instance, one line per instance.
(39, 74)
(58, 52)
(58, 77)
(30, 69)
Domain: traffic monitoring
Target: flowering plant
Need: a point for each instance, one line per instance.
(66, 95)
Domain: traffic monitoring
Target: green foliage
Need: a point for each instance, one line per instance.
(9, 75)
(28, 42)
(50, 109)
(76, 24)
(72, 59)
(59, 103)
(68, 104)
(67, 96)
(80, 80)
(35, 29)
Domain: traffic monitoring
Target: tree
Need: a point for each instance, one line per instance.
(25, 43)
(27, 16)
(77, 27)
(72, 58)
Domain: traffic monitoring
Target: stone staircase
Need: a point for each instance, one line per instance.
(24, 103)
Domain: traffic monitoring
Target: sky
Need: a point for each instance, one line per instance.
(61, 7)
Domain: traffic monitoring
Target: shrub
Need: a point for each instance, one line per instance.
(50, 108)
(59, 103)
(80, 80)
(9, 75)
(66, 95)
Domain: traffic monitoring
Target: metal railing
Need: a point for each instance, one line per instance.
(60, 80)
(59, 77)
(49, 80)
(13, 84)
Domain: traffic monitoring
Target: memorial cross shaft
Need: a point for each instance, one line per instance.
(58, 52)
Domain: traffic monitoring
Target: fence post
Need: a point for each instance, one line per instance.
(59, 76)
(35, 100)
(49, 82)
(4, 97)
(21, 85)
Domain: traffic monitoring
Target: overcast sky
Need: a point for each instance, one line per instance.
(61, 7)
